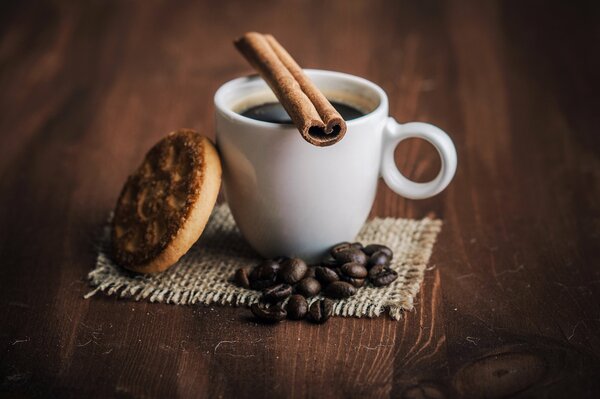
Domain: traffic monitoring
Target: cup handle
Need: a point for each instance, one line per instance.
(393, 134)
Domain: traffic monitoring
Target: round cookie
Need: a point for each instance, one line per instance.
(164, 206)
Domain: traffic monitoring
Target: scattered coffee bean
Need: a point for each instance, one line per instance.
(280, 259)
(356, 282)
(338, 271)
(375, 270)
(241, 277)
(277, 293)
(372, 248)
(342, 246)
(263, 275)
(272, 314)
(378, 258)
(308, 287)
(297, 307)
(351, 255)
(385, 277)
(338, 276)
(354, 270)
(357, 245)
(326, 275)
(339, 290)
(260, 285)
(320, 311)
(292, 270)
(265, 270)
(330, 262)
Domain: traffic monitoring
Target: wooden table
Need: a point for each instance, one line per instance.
(511, 303)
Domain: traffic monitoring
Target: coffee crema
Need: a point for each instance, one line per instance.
(274, 112)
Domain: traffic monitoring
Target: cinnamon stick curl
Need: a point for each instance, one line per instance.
(317, 120)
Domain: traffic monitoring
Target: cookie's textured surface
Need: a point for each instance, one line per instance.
(166, 202)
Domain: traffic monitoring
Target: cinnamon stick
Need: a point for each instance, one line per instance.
(317, 120)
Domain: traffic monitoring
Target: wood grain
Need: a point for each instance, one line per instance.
(510, 307)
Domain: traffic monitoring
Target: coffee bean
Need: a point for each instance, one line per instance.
(311, 272)
(326, 275)
(338, 271)
(292, 270)
(337, 276)
(320, 311)
(276, 293)
(351, 255)
(378, 258)
(308, 287)
(259, 285)
(384, 277)
(339, 290)
(264, 270)
(354, 270)
(375, 270)
(280, 259)
(263, 275)
(372, 248)
(356, 282)
(357, 245)
(297, 307)
(329, 262)
(342, 246)
(272, 314)
(241, 277)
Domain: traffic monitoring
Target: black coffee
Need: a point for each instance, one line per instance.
(275, 113)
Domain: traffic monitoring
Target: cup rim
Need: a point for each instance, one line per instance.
(221, 107)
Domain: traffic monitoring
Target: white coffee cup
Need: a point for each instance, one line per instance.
(289, 197)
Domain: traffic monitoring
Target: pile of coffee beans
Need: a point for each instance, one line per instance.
(348, 267)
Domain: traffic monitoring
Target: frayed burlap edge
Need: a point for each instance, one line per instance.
(202, 275)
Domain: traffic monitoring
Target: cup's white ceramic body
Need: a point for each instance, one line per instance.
(289, 197)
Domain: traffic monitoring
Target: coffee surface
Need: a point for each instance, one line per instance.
(275, 113)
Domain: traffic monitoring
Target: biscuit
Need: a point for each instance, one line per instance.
(165, 204)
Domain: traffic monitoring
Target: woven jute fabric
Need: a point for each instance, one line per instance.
(203, 274)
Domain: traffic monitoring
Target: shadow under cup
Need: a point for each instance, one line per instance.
(287, 196)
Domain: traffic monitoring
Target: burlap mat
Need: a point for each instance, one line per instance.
(202, 275)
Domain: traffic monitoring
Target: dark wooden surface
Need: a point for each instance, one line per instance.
(511, 304)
